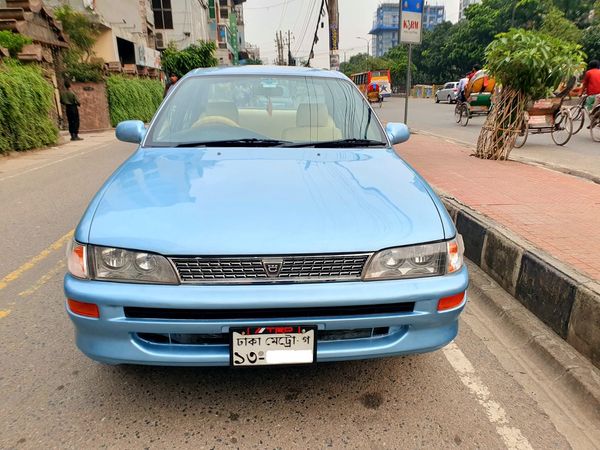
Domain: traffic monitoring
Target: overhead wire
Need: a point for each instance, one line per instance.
(315, 38)
(305, 25)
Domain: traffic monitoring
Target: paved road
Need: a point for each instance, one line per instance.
(482, 391)
(579, 154)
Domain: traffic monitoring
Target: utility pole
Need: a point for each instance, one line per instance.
(290, 58)
(334, 34)
(279, 43)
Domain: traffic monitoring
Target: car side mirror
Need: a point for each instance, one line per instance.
(397, 132)
(131, 131)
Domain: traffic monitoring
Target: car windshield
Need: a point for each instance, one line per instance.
(269, 110)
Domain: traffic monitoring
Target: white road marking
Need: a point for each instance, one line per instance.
(512, 437)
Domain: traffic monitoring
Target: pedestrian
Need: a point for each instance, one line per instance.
(170, 83)
(591, 83)
(69, 99)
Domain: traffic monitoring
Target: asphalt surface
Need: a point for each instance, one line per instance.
(479, 392)
(580, 154)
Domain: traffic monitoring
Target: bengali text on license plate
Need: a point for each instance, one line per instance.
(262, 346)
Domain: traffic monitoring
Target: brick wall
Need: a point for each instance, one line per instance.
(93, 112)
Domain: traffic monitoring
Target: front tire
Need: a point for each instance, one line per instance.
(437, 99)
(522, 136)
(563, 128)
(578, 114)
(595, 129)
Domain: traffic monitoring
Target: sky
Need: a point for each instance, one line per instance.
(263, 18)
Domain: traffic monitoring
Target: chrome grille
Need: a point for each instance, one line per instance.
(270, 269)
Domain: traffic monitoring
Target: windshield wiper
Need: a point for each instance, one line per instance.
(341, 143)
(244, 142)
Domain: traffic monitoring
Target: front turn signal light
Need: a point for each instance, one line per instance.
(83, 309)
(77, 259)
(450, 302)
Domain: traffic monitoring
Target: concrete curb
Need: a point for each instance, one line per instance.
(567, 366)
(564, 299)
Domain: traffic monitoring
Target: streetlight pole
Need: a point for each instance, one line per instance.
(367, 40)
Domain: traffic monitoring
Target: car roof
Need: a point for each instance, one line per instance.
(267, 70)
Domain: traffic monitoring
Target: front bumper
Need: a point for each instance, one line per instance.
(115, 338)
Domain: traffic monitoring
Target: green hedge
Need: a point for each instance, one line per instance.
(26, 99)
(132, 98)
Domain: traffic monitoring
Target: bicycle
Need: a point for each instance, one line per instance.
(578, 113)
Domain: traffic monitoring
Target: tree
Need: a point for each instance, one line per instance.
(527, 64)
(591, 42)
(82, 36)
(81, 30)
(180, 62)
(556, 24)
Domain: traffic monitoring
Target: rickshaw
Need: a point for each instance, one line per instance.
(478, 93)
(547, 115)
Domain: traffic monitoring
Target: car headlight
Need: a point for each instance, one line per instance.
(126, 265)
(108, 263)
(417, 261)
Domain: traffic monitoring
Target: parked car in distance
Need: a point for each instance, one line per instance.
(244, 232)
(448, 93)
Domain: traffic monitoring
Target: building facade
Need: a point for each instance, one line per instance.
(127, 33)
(386, 24)
(181, 22)
(464, 4)
(226, 21)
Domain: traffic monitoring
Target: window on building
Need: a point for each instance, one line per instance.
(163, 14)
(224, 13)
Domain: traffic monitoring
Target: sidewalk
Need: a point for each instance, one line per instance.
(555, 212)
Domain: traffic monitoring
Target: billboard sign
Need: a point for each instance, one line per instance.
(411, 21)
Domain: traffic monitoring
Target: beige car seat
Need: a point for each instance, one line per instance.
(313, 123)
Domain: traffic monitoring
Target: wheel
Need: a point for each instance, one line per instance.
(595, 129)
(522, 136)
(449, 99)
(578, 114)
(563, 128)
(457, 110)
(464, 115)
(437, 99)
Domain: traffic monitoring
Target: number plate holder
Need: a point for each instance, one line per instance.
(272, 345)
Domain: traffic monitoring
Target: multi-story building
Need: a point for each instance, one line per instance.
(386, 23)
(464, 4)
(226, 19)
(127, 32)
(181, 22)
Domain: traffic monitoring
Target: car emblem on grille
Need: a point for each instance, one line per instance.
(272, 266)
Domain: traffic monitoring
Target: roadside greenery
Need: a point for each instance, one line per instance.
(79, 61)
(26, 99)
(529, 65)
(13, 42)
(132, 98)
(180, 62)
(449, 51)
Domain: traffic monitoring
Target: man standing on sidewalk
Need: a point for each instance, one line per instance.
(69, 99)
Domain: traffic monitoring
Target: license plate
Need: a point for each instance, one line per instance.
(269, 346)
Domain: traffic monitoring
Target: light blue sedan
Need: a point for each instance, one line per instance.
(264, 220)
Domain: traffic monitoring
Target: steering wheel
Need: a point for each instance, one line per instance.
(209, 120)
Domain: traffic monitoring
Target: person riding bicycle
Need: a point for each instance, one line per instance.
(591, 83)
(373, 92)
(462, 86)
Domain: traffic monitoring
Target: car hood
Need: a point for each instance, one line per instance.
(244, 201)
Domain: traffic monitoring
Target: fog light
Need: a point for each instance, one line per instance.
(84, 309)
(450, 302)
